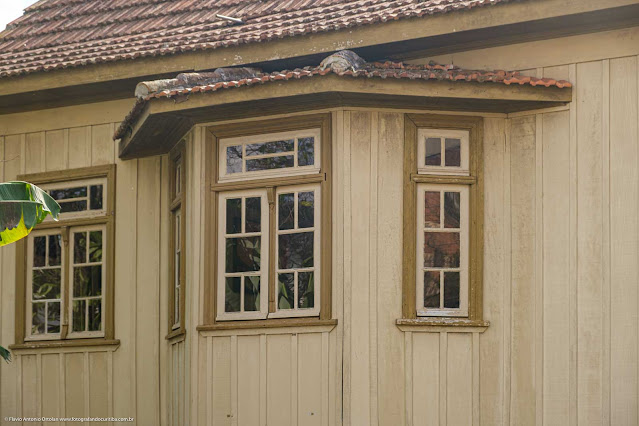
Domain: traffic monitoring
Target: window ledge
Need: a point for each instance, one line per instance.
(46, 344)
(175, 334)
(449, 325)
(269, 323)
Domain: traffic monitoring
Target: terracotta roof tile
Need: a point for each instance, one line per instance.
(56, 34)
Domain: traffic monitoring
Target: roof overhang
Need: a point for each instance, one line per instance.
(165, 121)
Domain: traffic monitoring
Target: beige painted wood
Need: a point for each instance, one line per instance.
(34, 152)
(29, 385)
(98, 384)
(79, 147)
(102, 144)
(309, 379)
(221, 408)
(248, 380)
(74, 384)
(459, 378)
(51, 396)
(279, 395)
(55, 152)
(426, 380)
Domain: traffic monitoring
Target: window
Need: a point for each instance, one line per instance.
(66, 292)
(273, 204)
(177, 197)
(443, 218)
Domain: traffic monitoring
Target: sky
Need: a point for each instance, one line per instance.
(12, 9)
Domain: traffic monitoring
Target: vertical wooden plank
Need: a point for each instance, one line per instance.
(507, 289)
(347, 271)
(263, 380)
(523, 269)
(589, 242)
(98, 385)
(459, 380)
(539, 276)
(556, 253)
(294, 379)
(79, 147)
(102, 144)
(373, 230)
(475, 379)
(390, 344)
(34, 152)
(443, 378)
(206, 388)
(309, 379)
(425, 392)
(55, 152)
(605, 241)
(29, 380)
(279, 395)
(491, 350)
(165, 236)
(324, 392)
(51, 387)
(624, 239)
(234, 381)
(248, 380)
(74, 381)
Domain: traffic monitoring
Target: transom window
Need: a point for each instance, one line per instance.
(79, 198)
(443, 152)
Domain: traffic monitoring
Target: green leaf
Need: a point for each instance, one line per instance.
(5, 354)
(22, 207)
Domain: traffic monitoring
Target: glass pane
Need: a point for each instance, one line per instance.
(286, 296)
(80, 247)
(46, 284)
(178, 178)
(441, 249)
(305, 290)
(253, 214)
(306, 211)
(53, 317)
(431, 209)
(234, 216)
(243, 254)
(269, 163)
(451, 209)
(95, 246)
(270, 147)
(39, 251)
(252, 293)
(286, 206)
(453, 152)
(63, 194)
(232, 294)
(234, 159)
(431, 289)
(451, 289)
(95, 314)
(73, 206)
(433, 152)
(38, 318)
(96, 197)
(296, 250)
(87, 281)
(55, 249)
(79, 312)
(306, 151)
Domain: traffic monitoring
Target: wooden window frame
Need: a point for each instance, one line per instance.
(177, 203)
(323, 177)
(64, 224)
(475, 181)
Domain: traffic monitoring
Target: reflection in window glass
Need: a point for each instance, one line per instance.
(87, 280)
(233, 159)
(46, 284)
(275, 147)
(306, 151)
(268, 163)
(433, 152)
(453, 152)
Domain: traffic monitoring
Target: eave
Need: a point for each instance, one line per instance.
(164, 121)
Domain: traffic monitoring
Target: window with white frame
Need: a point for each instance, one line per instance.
(66, 271)
(269, 240)
(177, 205)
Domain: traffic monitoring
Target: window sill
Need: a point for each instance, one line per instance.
(269, 323)
(175, 334)
(449, 325)
(46, 344)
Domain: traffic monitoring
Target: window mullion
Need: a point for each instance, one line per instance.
(272, 226)
(64, 303)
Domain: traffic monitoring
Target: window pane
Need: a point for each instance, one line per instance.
(55, 249)
(269, 163)
(73, 206)
(53, 317)
(63, 194)
(433, 152)
(46, 284)
(286, 291)
(253, 214)
(453, 152)
(451, 209)
(270, 147)
(441, 249)
(306, 211)
(95, 314)
(234, 159)
(87, 281)
(306, 151)
(431, 289)
(431, 209)
(39, 251)
(96, 197)
(252, 293)
(305, 290)
(451, 289)
(80, 247)
(79, 312)
(232, 294)
(38, 318)
(95, 246)
(243, 254)
(286, 206)
(296, 250)
(234, 216)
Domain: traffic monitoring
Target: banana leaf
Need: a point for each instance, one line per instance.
(22, 207)
(5, 354)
